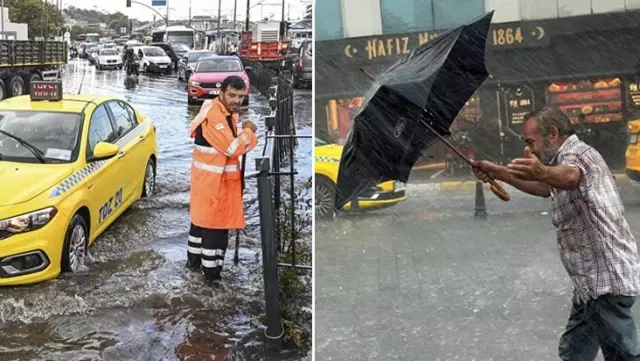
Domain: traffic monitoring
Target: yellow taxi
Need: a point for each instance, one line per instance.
(70, 165)
(327, 165)
(632, 155)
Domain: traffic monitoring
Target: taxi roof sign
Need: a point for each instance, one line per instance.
(46, 90)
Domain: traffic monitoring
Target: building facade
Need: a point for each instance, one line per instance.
(577, 54)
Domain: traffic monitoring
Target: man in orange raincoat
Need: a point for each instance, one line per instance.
(216, 183)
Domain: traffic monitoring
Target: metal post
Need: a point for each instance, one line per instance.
(190, 13)
(235, 9)
(218, 36)
(292, 180)
(246, 26)
(2, 18)
(283, 2)
(274, 329)
(167, 17)
(46, 20)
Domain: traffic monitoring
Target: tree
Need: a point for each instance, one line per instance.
(33, 13)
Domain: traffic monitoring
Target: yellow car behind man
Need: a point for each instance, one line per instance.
(327, 165)
(70, 166)
(633, 151)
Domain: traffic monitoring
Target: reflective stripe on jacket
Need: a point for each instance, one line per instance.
(216, 194)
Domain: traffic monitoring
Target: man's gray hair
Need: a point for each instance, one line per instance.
(551, 116)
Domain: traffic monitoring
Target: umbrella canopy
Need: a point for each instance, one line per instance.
(431, 84)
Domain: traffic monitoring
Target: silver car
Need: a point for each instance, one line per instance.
(303, 68)
(188, 62)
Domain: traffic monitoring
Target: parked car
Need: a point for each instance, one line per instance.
(208, 75)
(188, 62)
(303, 69)
(174, 50)
(107, 58)
(153, 59)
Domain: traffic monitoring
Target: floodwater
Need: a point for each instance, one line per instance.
(135, 300)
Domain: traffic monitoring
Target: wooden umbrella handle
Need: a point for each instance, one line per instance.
(499, 191)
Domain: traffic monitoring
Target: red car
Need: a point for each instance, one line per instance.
(208, 74)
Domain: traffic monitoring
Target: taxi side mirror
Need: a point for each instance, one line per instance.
(104, 150)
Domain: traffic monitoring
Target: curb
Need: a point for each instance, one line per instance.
(469, 186)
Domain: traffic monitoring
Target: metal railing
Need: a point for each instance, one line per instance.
(279, 148)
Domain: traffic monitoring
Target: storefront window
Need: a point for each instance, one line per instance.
(600, 100)
(330, 28)
(340, 114)
(469, 115)
(452, 13)
(403, 16)
(539, 9)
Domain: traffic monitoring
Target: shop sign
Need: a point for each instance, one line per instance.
(633, 89)
(518, 102)
(521, 35)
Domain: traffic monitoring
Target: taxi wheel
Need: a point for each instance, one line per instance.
(325, 196)
(149, 186)
(76, 240)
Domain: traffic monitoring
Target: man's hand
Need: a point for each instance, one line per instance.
(528, 168)
(249, 124)
(486, 170)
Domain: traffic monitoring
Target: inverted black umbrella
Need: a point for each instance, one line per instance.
(410, 106)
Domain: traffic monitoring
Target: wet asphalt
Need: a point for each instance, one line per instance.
(426, 280)
(135, 300)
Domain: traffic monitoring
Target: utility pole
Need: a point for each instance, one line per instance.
(235, 8)
(167, 13)
(246, 26)
(283, 20)
(189, 13)
(46, 20)
(2, 18)
(219, 9)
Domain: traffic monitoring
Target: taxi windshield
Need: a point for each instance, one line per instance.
(54, 135)
(108, 52)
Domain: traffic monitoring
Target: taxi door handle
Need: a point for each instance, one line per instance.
(122, 154)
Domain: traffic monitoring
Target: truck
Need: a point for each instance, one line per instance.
(263, 44)
(24, 61)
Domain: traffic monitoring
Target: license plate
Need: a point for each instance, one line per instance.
(163, 66)
(633, 139)
(214, 92)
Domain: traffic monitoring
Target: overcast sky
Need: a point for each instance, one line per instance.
(179, 9)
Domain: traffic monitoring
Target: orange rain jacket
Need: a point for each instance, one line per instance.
(216, 193)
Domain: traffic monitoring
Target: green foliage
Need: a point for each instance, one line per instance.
(33, 13)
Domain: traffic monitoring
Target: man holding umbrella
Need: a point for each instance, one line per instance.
(216, 182)
(595, 242)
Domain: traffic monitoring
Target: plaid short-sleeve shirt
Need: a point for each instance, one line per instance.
(595, 242)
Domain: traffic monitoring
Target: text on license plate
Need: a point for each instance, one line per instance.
(213, 92)
(163, 66)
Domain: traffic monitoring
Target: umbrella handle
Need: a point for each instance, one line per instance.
(499, 191)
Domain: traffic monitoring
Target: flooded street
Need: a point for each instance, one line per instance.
(425, 277)
(136, 301)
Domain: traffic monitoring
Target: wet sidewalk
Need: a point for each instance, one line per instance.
(414, 283)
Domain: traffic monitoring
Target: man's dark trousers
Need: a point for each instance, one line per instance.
(605, 323)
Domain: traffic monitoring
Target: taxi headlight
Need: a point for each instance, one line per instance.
(195, 83)
(398, 186)
(633, 138)
(27, 222)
